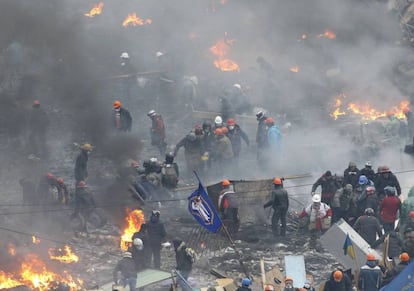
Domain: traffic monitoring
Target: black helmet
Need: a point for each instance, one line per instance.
(169, 158)
(206, 124)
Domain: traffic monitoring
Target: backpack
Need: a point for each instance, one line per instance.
(191, 254)
(169, 175)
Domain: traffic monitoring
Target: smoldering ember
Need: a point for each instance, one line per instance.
(206, 145)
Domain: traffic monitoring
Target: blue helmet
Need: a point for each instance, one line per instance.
(246, 282)
(363, 180)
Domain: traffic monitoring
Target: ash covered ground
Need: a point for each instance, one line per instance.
(70, 62)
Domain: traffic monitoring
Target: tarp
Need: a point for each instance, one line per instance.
(404, 281)
(295, 268)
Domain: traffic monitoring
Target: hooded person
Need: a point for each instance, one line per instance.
(184, 259)
(156, 234)
(81, 163)
(261, 136)
(329, 185)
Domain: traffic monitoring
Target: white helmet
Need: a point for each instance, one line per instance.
(159, 54)
(238, 86)
(138, 243)
(316, 198)
(151, 113)
(218, 120)
(124, 55)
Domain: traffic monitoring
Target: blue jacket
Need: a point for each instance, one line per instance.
(370, 277)
(274, 137)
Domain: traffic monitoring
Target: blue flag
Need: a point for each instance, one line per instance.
(349, 247)
(201, 208)
(404, 281)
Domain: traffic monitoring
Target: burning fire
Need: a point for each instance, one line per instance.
(35, 275)
(294, 69)
(96, 10)
(11, 250)
(64, 255)
(328, 34)
(134, 20)
(220, 49)
(35, 240)
(366, 111)
(134, 220)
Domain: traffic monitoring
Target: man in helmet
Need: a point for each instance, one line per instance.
(394, 272)
(236, 134)
(193, 150)
(329, 185)
(228, 205)
(280, 205)
(351, 175)
(274, 141)
(245, 285)
(368, 226)
(84, 202)
(47, 189)
(320, 215)
(169, 171)
(208, 144)
(261, 135)
(389, 208)
(223, 151)
(386, 178)
(218, 122)
(37, 127)
(341, 203)
(63, 193)
(81, 164)
(184, 260)
(157, 131)
(367, 171)
(370, 275)
(338, 281)
(128, 74)
(126, 267)
(122, 118)
(138, 254)
(156, 234)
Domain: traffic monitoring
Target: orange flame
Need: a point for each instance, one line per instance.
(220, 49)
(134, 220)
(35, 275)
(328, 34)
(64, 255)
(96, 10)
(367, 112)
(11, 249)
(134, 20)
(35, 240)
(294, 69)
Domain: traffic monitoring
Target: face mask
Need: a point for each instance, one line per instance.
(118, 109)
(231, 127)
(289, 285)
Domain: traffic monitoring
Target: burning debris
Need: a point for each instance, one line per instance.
(134, 220)
(96, 10)
(367, 111)
(220, 49)
(294, 69)
(133, 20)
(327, 34)
(64, 255)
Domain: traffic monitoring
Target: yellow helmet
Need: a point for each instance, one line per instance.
(87, 147)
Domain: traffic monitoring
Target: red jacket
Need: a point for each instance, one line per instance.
(389, 207)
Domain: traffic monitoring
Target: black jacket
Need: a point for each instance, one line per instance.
(279, 199)
(182, 259)
(81, 166)
(344, 285)
(381, 182)
(368, 227)
(127, 268)
(125, 119)
(156, 231)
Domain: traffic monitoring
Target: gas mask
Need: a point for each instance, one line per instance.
(118, 109)
(289, 284)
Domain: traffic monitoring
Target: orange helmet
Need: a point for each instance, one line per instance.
(50, 176)
(60, 180)
(404, 257)
(218, 131)
(277, 181)
(225, 183)
(269, 287)
(269, 120)
(231, 121)
(82, 184)
(225, 130)
(411, 214)
(35, 103)
(117, 104)
(337, 275)
(371, 257)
